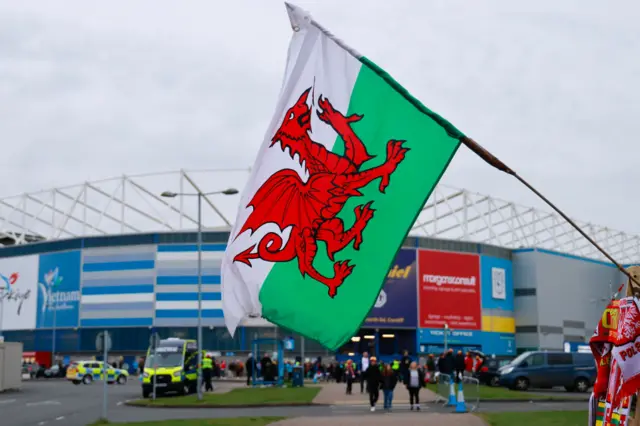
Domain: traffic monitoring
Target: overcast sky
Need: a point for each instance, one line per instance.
(90, 89)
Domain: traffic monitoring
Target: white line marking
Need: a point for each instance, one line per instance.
(120, 403)
(31, 404)
(41, 423)
(60, 418)
(7, 401)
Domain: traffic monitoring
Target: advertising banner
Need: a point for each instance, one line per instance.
(59, 289)
(396, 305)
(497, 283)
(18, 292)
(449, 290)
(432, 341)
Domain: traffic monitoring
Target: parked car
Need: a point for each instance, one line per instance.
(55, 372)
(40, 371)
(574, 371)
(88, 371)
(488, 373)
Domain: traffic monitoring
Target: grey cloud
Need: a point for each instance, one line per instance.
(91, 90)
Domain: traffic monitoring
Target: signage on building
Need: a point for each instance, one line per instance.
(488, 342)
(289, 343)
(498, 283)
(396, 305)
(449, 290)
(496, 279)
(18, 292)
(59, 289)
(579, 347)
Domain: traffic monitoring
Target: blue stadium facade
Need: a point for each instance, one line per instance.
(129, 284)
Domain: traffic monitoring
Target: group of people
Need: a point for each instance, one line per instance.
(376, 377)
(456, 366)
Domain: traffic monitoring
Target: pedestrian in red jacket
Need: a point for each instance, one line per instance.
(468, 364)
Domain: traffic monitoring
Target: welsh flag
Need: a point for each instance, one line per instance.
(346, 165)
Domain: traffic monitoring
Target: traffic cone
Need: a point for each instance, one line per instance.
(460, 405)
(452, 395)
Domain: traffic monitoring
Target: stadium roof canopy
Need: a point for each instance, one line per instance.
(132, 204)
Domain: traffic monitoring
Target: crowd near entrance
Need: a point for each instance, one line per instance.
(382, 343)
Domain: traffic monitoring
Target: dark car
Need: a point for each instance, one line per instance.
(574, 371)
(55, 371)
(488, 373)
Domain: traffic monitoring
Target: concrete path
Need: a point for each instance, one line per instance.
(397, 419)
(334, 394)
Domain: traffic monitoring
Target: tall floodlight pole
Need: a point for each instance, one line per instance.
(199, 248)
(200, 195)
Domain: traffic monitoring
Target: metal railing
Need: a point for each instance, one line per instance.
(447, 395)
(443, 382)
(471, 388)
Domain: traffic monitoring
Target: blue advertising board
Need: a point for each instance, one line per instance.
(58, 289)
(496, 278)
(431, 340)
(397, 303)
(289, 343)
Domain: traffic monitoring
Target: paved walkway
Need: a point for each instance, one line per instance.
(397, 419)
(334, 394)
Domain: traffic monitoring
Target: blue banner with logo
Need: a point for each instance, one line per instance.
(430, 339)
(397, 303)
(58, 289)
(496, 277)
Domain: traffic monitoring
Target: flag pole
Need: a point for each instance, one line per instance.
(298, 17)
(495, 162)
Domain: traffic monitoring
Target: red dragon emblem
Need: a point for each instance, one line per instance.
(310, 208)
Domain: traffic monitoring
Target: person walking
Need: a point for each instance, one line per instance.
(414, 381)
(449, 363)
(405, 362)
(267, 368)
(350, 375)
(389, 382)
(459, 366)
(207, 372)
(251, 365)
(468, 365)
(431, 367)
(364, 365)
(374, 381)
(441, 367)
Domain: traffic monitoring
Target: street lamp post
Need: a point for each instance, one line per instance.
(53, 332)
(2, 296)
(199, 194)
(446, 335)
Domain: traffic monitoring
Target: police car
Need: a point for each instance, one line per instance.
(88, 371)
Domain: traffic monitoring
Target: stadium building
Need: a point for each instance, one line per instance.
(116, 255)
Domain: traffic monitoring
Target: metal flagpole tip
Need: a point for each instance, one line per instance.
(297, 16)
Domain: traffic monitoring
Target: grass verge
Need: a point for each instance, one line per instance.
(537, 418)
(488, 393)
(242, 421)
(238, 397)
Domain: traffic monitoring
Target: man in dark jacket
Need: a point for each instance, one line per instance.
(405, 362)
(267, 370)
(459, 366)
(441, 366)
(449, 363)
(431, 368)
(251, 365)
(374, 381)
